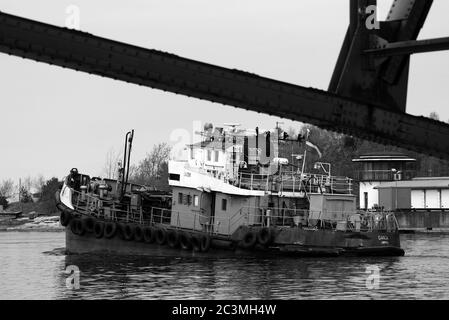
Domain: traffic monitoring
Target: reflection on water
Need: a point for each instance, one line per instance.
(32, 266)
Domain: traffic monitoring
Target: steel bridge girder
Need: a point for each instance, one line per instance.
(87, 53)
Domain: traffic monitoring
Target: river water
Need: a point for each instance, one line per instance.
(33, 266)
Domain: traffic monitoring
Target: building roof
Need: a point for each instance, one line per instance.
(209, 144)
(383, 156)
(418, 183)
(383, 153)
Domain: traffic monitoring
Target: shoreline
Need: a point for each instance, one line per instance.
(42, 223)
(32, 230)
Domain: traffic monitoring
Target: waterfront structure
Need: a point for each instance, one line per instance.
(427, 193)
(376, 169)
(420, 204)
(387, 181)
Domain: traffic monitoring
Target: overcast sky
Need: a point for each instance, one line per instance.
(53, 119)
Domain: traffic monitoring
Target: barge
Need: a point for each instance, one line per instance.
(233, 194)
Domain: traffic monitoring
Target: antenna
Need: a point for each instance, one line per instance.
(232, 124)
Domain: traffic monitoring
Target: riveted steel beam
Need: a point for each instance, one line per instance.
(410, 47)
(85, 52)
(411, 15)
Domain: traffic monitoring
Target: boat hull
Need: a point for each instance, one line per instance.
(298, 243)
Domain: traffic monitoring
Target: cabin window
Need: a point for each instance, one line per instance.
(209, 155)
(174, 177)
(180, 197)
(224, 204)
(267, 142)
(189, 200)
(216, 156)
(196, 201)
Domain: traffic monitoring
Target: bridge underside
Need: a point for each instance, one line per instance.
(88, 53)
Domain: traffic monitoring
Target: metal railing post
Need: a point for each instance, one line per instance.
(77, 201)
(194, 222)
(294, 182)
(141, 215)
(87, 204)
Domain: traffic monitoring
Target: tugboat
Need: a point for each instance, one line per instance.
(233, 194)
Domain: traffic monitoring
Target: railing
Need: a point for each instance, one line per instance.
(93, 205)
(383, 175)
(252, 181)
(285, 182)
(266, 217)
(186, 220)
(357, 221)
(280, 217)
(108, 209)
(294, 182)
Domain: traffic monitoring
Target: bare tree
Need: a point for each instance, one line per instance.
(434, 116)
(7, 188)
(133, 170)
(38, 183)
(26, 183)
(111, 164)
(153, 169)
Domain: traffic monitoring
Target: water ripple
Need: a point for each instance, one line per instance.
(32, 266)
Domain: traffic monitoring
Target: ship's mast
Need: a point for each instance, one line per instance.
(126, 160)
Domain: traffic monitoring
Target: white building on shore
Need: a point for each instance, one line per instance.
(374, 170)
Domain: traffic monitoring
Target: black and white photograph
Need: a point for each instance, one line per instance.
(223, 157)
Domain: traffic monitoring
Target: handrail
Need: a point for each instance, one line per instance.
(386, 175)
(285, 181)
(249, 215)
(290, 182)
(158, 219)
(362, 224)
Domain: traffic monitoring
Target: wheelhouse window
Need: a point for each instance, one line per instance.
(209, 155)
(189, 199)
(224, 204)
(180, 197)
(196, 201)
